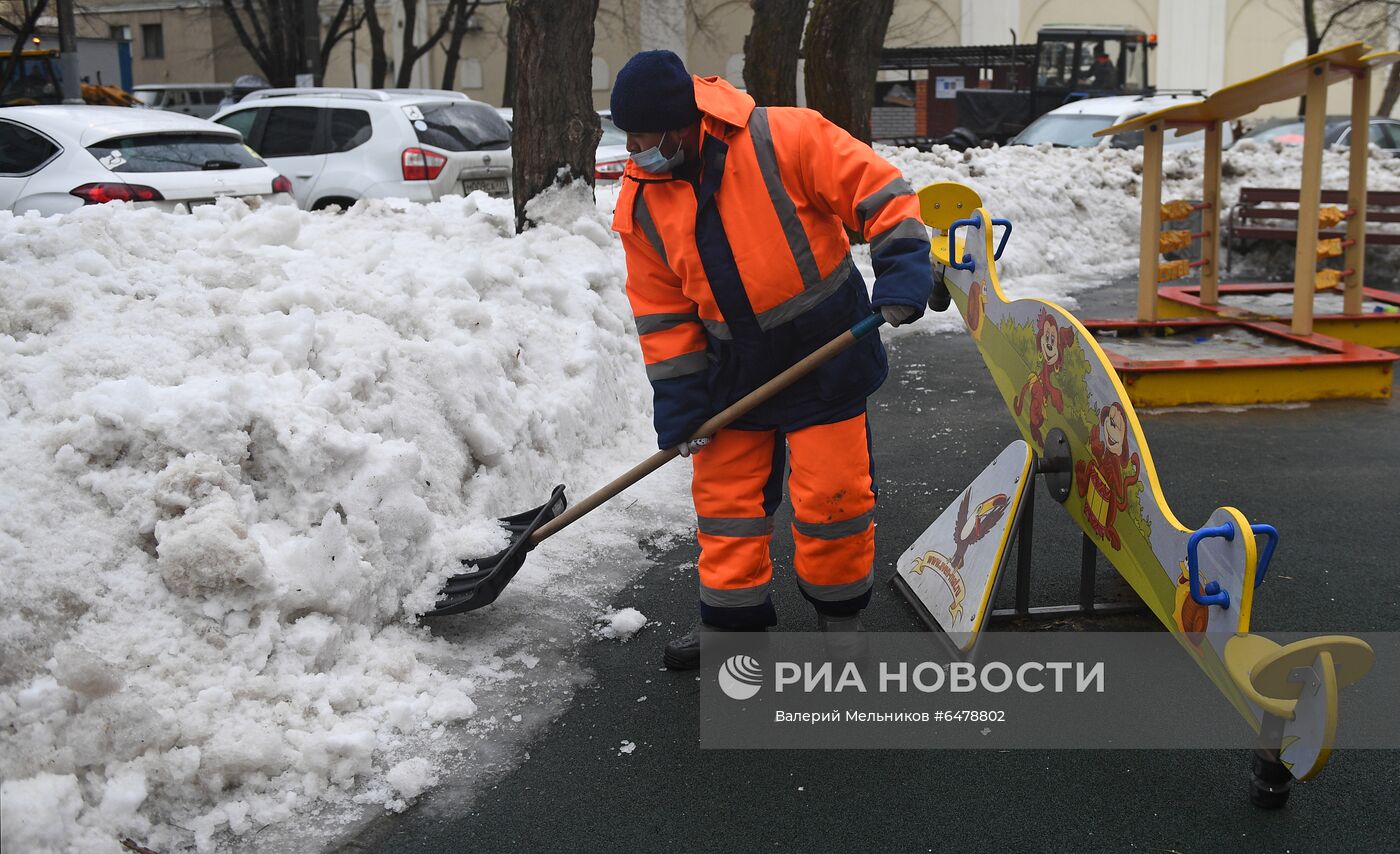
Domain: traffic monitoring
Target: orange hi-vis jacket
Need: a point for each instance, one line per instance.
(739, 266)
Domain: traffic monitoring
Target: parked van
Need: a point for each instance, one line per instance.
(192, 99)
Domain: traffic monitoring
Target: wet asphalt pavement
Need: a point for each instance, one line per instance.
(1327, 475)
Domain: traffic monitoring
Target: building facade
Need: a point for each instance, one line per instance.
(172, 41)
(1202, 44)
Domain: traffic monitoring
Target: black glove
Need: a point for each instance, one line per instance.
(940, 299)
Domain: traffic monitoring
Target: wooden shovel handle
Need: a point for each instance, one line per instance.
(742, 407)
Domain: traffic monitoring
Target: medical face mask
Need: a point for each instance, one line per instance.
(653, 161)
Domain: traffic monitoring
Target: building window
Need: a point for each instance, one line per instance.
(119, 33)
(152, 42)
(470, 75)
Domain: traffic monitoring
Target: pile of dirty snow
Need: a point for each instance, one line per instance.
(239, 450)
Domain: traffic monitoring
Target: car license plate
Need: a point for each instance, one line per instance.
(490, 186)
(250, 198)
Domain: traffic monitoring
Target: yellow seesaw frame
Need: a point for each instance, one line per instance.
(1053, 376)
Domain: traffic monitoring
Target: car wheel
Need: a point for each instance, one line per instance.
(333, 201)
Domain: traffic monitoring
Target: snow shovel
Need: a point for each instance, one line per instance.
(480, 587)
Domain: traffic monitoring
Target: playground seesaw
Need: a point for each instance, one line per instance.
(1083, 438)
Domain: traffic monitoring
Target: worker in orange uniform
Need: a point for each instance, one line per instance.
(733, 218)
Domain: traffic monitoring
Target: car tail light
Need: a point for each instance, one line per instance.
(281, 184)
(96, 194)
(420, 165)
(609, 171)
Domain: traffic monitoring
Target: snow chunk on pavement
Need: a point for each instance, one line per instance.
(412, 777)
(621, 625)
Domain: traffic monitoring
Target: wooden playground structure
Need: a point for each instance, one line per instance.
(1326, 355)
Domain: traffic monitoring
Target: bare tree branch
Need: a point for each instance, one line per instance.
(23, 27)
(463, 10)
(339, 29)
(1368, 19)
(411, 53)
(1340, 13)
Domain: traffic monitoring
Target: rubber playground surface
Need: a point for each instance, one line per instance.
(1324, 474)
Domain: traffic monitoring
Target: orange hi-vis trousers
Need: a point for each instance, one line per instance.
(737, 485)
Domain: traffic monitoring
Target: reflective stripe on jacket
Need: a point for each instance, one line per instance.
(740, 266)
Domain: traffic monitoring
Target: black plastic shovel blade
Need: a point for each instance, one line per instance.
(489, 576)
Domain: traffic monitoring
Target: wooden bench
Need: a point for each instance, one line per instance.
(1258, 206)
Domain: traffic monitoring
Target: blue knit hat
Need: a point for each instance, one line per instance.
(654, 93)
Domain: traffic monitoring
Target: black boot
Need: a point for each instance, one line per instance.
(845, 641)
(683, 653)
(847, 623)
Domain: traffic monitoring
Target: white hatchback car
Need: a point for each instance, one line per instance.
(55, 159)
(1073, 125)
(342, 145)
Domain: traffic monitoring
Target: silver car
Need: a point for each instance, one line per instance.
(192, 99)
(342, 145)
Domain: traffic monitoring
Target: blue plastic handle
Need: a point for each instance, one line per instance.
(1263, 567)
(868, 325)
(967, 263)
(1212, 594)
(1005, 235)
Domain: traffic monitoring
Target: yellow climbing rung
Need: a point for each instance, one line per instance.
(1328, 279)
(1178, 209)
(1330, 216)
(1329, 248)
(1170, 241)
(1168, 270)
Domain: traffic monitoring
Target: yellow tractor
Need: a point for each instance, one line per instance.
(37, 81)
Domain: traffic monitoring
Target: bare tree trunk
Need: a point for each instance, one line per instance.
(1392, 91)
(555, 124)
(508, 92)
(843, 43)
(275, 34)
(462, 11)
(404, 72)
(339, 29)
(411, 53)
(770, 51)
(378, 53)
(1314, 41)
